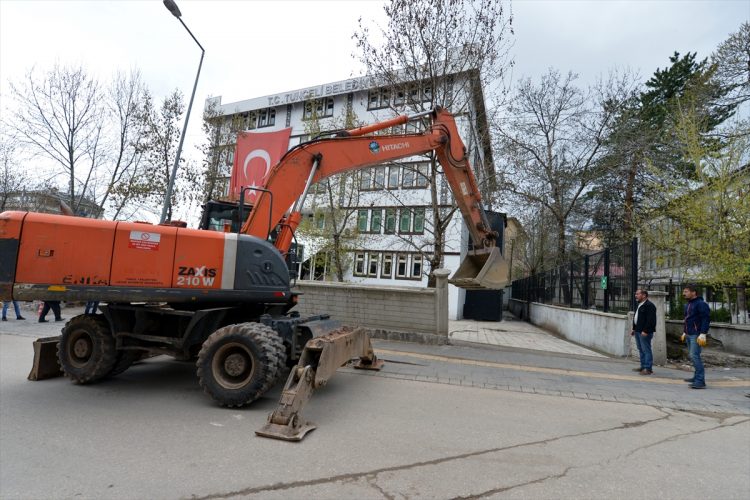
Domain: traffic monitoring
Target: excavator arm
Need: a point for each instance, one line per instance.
(289, 181)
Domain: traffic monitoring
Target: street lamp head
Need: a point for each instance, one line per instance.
(172, 7)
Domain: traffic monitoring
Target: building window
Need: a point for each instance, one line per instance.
(267, 117)
(399, 98)
(379, 178)
(376, 220)
(402, 266)
(404, 224)
(427, 93)
(359, 264)
(373, 261)
(378, 98)
(318, 108)
(419, 220)
(416, 266)
(423, 175)
(408, 177)
(393, 176)
(320, 220)
(365, 179)
(362, 220)
(390, 220)
(386, 271)
(372, 179)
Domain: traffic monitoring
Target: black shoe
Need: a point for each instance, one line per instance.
(637, 369)
(59, 319)
(693, 386)
(691, 380)
(646, 372)
(20, 318)
(42, 320)
(5, 319)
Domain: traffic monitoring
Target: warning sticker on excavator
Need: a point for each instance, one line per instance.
(143, 240)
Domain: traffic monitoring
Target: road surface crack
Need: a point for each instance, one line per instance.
(415, 465)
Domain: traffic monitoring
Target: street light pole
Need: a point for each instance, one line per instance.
(172, 7)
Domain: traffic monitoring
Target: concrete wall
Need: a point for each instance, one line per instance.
(401, 313)
(734, 338)
(605, 332)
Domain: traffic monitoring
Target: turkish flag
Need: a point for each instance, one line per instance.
(255, 154)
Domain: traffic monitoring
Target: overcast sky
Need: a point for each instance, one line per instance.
(256, 48)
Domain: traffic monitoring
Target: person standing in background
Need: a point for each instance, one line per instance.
(694, 330)
(55, 306)
(644, 325)
(15, 307)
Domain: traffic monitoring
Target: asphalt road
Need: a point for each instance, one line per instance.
(431, 425)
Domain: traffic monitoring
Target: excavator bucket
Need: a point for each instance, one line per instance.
(320, 359)
(483, 269)
(45, 359)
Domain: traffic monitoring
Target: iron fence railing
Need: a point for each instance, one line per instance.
(728, 304)
(605, 281)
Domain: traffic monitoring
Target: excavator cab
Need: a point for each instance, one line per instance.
(223, 216)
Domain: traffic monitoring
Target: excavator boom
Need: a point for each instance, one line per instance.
(311, 162)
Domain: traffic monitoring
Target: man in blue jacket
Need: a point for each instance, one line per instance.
(695, 328)
(644, 325)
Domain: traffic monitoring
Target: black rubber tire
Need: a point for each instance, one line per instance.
(86, 351)
(124, 360)
(238, 363)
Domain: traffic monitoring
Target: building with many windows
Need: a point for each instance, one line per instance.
(383, 217)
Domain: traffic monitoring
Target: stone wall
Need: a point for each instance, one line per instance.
(735, 339)
(398, 313)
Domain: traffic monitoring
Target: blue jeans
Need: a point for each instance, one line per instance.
(699, 378)
(15, 306)
(644, 350)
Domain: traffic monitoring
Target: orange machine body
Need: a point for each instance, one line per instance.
(65, 257)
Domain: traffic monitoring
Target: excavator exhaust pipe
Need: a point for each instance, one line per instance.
(483, 269)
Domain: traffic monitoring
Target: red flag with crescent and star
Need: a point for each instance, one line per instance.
(255, 154)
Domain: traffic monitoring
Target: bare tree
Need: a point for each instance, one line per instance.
(59, 116)
(12, 178)
(732, 59)
(438, 53)
(158, 141)
(551, 145)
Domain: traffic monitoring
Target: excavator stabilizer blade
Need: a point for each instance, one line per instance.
(319, 360)
(285, 432)
(482, 270)
(45, 359)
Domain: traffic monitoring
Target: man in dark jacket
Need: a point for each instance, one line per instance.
(644, 326)
(694, 329)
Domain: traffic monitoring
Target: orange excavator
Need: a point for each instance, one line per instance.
(223, 299)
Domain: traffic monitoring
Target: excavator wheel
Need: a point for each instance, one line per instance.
(86, 351)
(238, 363)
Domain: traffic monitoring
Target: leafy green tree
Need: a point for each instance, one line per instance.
(702, 222)
(644, 131)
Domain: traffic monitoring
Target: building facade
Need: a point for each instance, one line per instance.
(383, 217)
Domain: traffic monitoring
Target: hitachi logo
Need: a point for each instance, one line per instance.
(394, 147)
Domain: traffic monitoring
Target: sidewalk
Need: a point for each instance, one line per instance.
(512, 332)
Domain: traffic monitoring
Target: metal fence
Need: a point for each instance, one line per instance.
(724, 302)
(605, 281)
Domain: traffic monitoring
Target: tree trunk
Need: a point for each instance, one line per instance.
(629, 205)
(741, 302)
